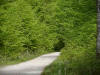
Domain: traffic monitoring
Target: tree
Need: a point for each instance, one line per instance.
(98, 28)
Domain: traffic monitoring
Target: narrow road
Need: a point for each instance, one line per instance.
(32, 67)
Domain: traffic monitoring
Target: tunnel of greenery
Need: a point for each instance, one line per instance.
(32, 27)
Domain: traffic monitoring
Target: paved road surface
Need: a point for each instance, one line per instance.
(32, 67)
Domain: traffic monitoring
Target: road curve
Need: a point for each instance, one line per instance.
(32, 67)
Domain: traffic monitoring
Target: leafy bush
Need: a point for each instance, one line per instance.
(33, 27)
(24, 29)
(77, 25)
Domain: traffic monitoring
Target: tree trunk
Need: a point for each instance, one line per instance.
(98, 29)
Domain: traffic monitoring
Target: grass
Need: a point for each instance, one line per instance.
(22, 58)
(75, 62)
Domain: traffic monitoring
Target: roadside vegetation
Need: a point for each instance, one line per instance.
(78, 57)
(29, 28)
(26, 29)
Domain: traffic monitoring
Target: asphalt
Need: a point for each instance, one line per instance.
(32, 67)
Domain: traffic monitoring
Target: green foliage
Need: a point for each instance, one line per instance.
(24, 30)
(59, 45)
(33, 27)
(77, 25)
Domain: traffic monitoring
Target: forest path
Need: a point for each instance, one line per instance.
(32, 67)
